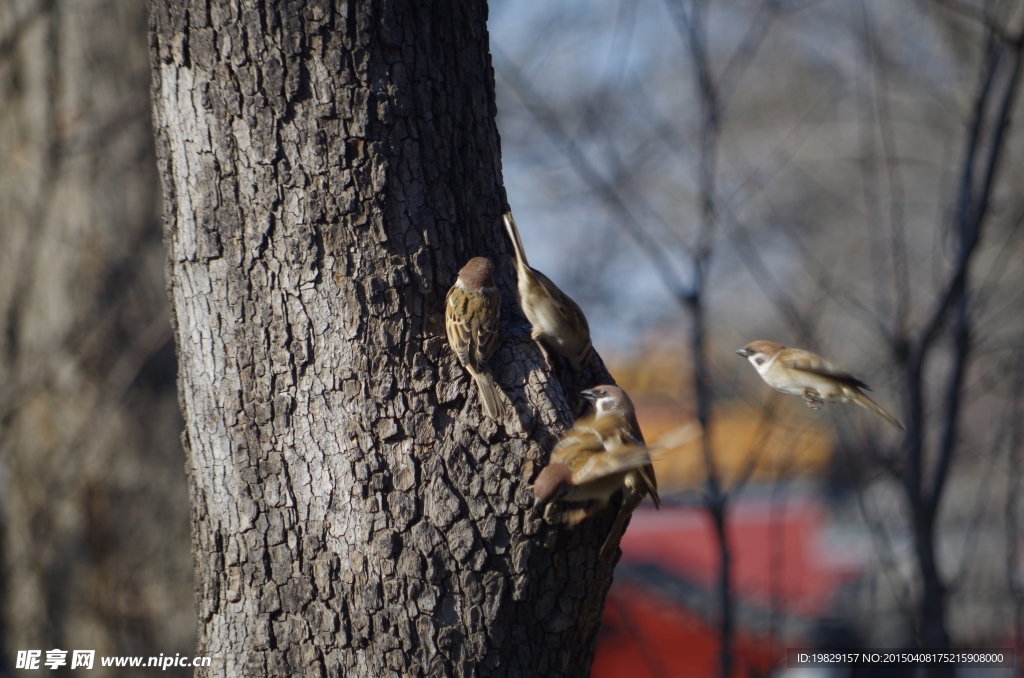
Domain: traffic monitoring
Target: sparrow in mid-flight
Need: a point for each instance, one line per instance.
(601, 454)
(556, 319)
(472, 311)
(799, 372)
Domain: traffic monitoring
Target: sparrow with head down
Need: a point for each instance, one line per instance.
(556, 319)
(472, 311)
(602, 454)
(799, 372)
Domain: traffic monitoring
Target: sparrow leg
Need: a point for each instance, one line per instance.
(543, 348)
(813, 399)
(536, 335)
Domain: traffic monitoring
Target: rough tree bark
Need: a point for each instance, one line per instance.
(92, 493)
(327, 169)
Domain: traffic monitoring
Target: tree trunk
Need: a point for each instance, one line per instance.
(92, 493)
(327, 170)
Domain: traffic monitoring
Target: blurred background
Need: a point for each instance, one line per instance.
(839, 175)
(95, 548)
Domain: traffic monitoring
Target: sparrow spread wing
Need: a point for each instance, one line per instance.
(610, 463)
(596, 447)
(805, 361)
(576, 444)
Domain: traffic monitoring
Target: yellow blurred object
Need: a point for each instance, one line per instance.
(659, 369)
(743, 439)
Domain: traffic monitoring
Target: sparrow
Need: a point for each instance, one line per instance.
(601, 454)
(472, 310)
(799, 372)
(556, 319)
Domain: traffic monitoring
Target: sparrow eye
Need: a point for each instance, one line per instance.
(759, 361)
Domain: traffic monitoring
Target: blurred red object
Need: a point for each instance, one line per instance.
(643, 636)
(660, 616)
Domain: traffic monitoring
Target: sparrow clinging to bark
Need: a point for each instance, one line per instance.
(472, 311)
(601, 454)
(556, 319)
(799, 372)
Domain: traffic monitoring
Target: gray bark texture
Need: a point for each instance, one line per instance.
(327, 169)
(93, 497)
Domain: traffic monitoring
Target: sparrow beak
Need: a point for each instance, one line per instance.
(745, 352)
(589, 395)
(537, 503)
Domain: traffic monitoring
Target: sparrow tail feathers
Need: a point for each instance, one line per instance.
(869, 404)
(611, 542)
(651, 487)
(517, 244)
(493, 405)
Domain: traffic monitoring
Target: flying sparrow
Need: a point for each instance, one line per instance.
(601, 454)
(799, 372)
(472, 310)
(556, 318)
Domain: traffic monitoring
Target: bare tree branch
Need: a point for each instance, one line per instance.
(983, 17)
(590, 175)
(884, 550)
(973, 206)
(1012, 509)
